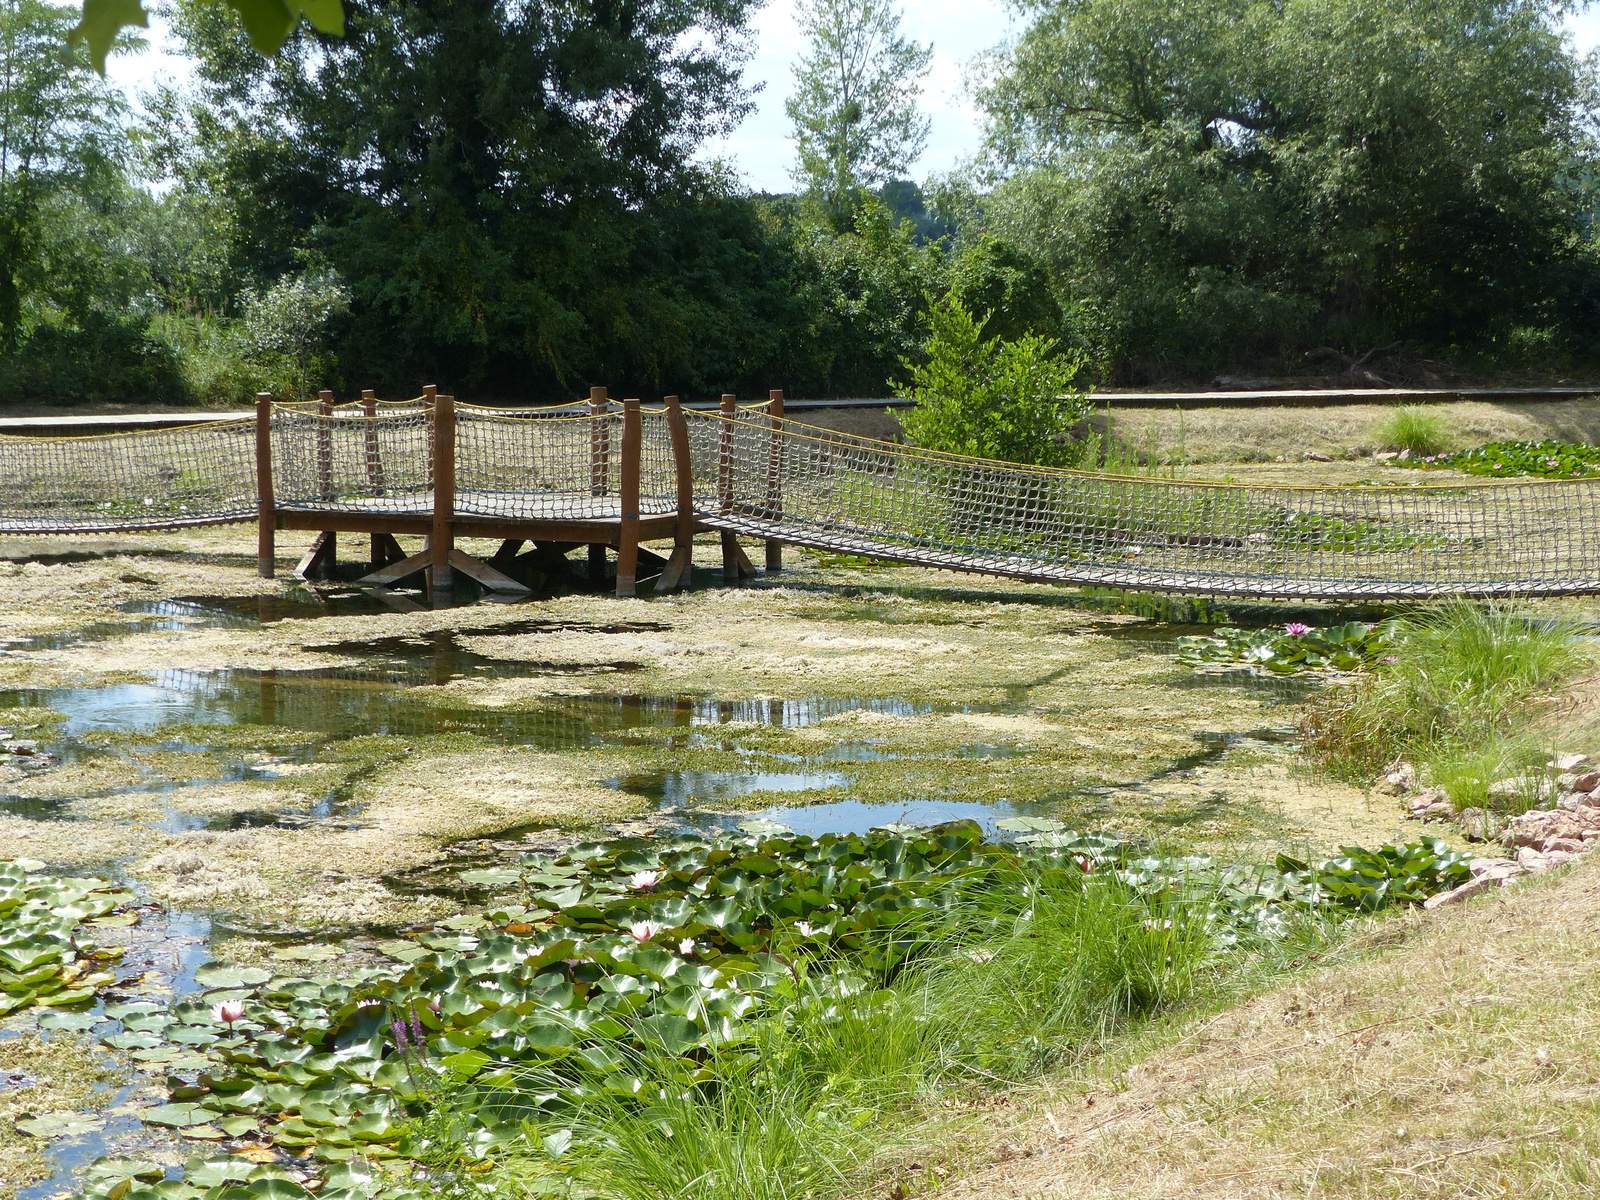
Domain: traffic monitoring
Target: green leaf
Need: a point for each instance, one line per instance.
(226, 975)
(466, 1064)
(177, 1116)
(100, 24)
(59, 1124)
(327, 16)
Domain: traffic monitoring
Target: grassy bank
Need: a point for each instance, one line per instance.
(1460, 695)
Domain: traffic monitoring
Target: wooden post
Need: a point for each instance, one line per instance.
(266, 505)
(325, 445)
(730, 543)
(599, 470)
(444, 493)
(775, 479)
(628, 536)
(369, 409)
(680, 566)
(430, 400)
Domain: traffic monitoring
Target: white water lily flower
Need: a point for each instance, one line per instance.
(644, 880)
(643, 931)
(228, 1011)
(686, 947)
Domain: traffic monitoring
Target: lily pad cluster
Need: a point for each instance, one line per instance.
(48, 954)
(622, 970)
(1546, 459)
(1295, 647)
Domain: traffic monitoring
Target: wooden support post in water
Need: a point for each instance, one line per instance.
(266, 514)
(680, 566)
(444, 494)
(599, 471)
(775, 479)
(628, 536)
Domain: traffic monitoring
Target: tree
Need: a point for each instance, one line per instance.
(854, 106)
(1220, 182)
(990, 397)
(508, 191)
(59, 137)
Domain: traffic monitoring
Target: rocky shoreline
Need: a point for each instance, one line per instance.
(1537, 840)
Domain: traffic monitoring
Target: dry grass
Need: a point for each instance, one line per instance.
(1456, 1059)
(1243, 435)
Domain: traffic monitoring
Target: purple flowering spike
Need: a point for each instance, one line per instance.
(416, 1028)
(399, 1031)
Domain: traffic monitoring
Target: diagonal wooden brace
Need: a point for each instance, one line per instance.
(484, 573)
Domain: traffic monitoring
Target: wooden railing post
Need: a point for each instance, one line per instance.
(680, 566)
(369, 408)
(599, 469)
(730, 543)
(628, 537)
(266, 504)
(444, 494)
(379, 555)
(325, 445)
(775, 479)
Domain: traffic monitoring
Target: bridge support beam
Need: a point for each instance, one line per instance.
(628, 533)
(266, 505)
(775, 478)
(680, 566)
(442, 540)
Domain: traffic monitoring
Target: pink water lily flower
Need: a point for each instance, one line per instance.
(1296, 629)
(644, 880)
(643, 931)
(228, 1011)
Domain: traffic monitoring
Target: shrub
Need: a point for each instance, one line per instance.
(993, 398)
(1416, 428)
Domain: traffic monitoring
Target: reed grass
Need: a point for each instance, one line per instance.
(1464, 678)
(1414, 427)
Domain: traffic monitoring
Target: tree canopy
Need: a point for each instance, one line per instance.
(1218, 182)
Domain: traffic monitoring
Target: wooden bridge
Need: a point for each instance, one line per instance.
(610, 475)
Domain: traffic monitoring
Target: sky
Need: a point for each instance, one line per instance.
(760, 149)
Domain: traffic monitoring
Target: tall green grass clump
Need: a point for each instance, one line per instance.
(1462, 678)
(1416, 428)
(1025, 977)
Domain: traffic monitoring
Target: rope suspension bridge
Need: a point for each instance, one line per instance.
(610, 474)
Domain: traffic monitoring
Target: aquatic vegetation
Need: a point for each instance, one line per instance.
(1296, 647)
(1547, 459)
(48, 955)
(639, 972)
(1461, 677)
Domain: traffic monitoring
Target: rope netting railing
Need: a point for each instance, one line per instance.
(152, 479)
(752, 472)
(510, 465)
(860, 496)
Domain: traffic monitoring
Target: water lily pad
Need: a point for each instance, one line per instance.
(226, 975)
(204, 1133)
(115, 1170)
(210, 1173)
(59, 1124)
(406, 952)
(69, 1021)
(237, 1126)
(177, 1116)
